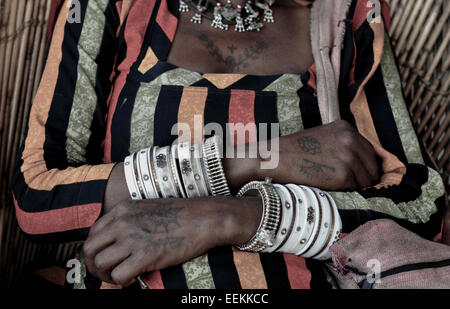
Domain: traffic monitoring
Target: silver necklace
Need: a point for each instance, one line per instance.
(247, 18)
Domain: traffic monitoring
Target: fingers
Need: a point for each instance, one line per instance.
(367, 155)
(99, 238)
(107, 259)
(361, 174)
(126, 272)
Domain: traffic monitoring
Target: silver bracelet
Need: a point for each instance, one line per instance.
(270, 221)
(287, 214)
(212, 151)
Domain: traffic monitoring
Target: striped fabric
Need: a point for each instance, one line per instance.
(108, 91)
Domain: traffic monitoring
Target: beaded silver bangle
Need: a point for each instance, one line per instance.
(212, 151)
(270, 221)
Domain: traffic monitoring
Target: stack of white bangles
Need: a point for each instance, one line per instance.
(180, 170)
(296, 219)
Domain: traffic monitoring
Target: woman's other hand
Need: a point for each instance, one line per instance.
(139, 237)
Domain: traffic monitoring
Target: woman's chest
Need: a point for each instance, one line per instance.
(281, 47)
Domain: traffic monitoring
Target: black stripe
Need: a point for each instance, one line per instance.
(223, 269)
(121, 122)
(383, 117)
(217, 110)
(60, 237)
(347, 58)
(410, 188)
(173, 6)
(160, 43)
(265, 113)
(61, 196)
(354, 218)
(55, 155)
(318, 276)
(254, 82)
(309, 108)
(174, 278)
(166, 115)
(275, 271)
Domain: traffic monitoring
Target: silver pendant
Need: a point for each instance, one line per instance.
(183, 7)
(268, 15)
(239, 27)
(217, 21)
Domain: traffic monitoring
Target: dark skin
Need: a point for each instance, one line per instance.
(137, 237)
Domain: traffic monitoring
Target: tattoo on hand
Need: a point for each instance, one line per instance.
(156, 220)
(314, 170)
(235, 63)
(158, 217)
(310, 145)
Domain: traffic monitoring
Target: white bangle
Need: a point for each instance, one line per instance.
(314, 214)
(336, 231)
(175, 171)
(324, 229)
(198, 170)
(143, 172)
(302, 228)
(130, 178)
(186, 168)
(144, 164)
(164, 173)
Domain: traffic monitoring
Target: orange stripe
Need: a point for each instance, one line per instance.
(393, 168)
(250, 270)
(298, 274)
(154, 280)
(34, 167)
(167, 21)
(190, 114)
(64, 219)
(242, 112)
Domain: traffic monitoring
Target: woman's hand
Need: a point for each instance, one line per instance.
(138, 237)
(332, 157)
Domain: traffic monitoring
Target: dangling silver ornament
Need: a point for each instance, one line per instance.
(268, 15)
(217, 21)
(183, 7)
(239, 27)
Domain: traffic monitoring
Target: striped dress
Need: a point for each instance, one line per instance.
(108, 91)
